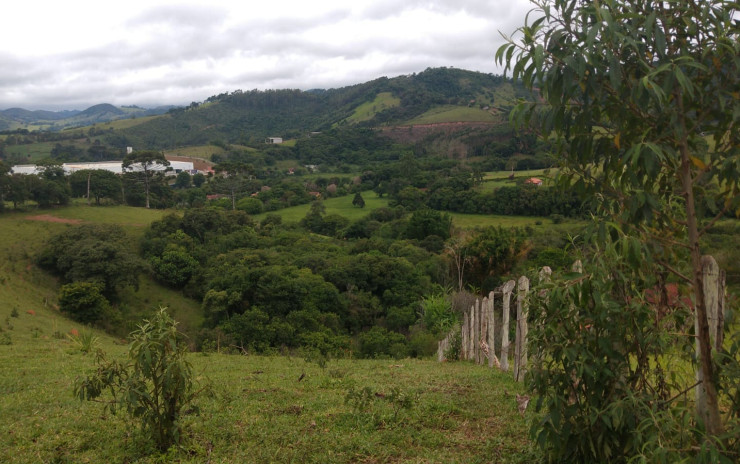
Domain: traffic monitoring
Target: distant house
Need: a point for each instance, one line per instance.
(534, 181)
(274, 140)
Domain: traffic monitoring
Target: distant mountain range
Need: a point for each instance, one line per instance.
(434, 96)
(19, 118)
(407, 108)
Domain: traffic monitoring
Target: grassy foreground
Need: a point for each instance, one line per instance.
(261, 409)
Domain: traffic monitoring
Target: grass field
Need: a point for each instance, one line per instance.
(366, 111)
(200, 151)
(31, 153)
(343, 206)
(496, 179)
(454, 114)
(339, 205)
(259, 411)
(127, 123)
(276, 409)
(25, 287)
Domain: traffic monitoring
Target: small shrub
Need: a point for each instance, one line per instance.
(365, 400)
(14, 312)
(437, 314)
(5, 339)
(557, 218)
(422, 344)
(154, 384)
(453, 352)
(86, 342)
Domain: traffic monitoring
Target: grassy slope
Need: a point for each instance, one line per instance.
(454, 114)
(24, 286)
(259, 412)
(343, 206)
(368, 110)
(32, 152)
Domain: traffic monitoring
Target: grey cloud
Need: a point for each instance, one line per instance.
(193, 51)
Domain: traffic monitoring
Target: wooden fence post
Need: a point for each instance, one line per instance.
(507, 289)
(520, 349)
(491, 330)
(464, 336)
(714, 294)
(471, 333)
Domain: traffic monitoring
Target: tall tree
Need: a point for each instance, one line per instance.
(148, 163)
(641, 98)
(233, 179)
(96, 183)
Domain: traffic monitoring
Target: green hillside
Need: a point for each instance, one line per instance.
(239, 116)
(415, 409)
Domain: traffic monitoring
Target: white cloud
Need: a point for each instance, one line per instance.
(148, 52)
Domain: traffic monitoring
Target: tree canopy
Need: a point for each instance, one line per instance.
(640, 99)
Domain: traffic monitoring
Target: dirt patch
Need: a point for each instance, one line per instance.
(50, 218)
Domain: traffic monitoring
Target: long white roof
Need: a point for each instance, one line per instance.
(112, 166)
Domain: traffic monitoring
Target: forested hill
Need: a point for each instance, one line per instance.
(244, 116)
(19, 118)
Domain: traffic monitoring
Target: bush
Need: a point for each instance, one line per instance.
(422, 344)
(174, 268)
(154, 384)
(250, 205)
(83, 301)
(379, 342)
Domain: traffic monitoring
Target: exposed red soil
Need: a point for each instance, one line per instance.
(416, 132)
(50, 218)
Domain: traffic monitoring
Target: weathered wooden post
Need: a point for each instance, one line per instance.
(475, 309)
(471, 335)
(464, 336)
(491, 340)
(520, 349)
(507, 289)
(714, 295)
(483, 331)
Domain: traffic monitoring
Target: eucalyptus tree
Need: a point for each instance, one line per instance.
(641, 100)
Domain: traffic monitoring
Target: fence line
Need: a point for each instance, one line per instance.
(478, 330)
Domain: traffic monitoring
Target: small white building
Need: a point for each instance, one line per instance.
(274, 140)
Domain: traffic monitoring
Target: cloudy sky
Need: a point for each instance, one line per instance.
(74, 54)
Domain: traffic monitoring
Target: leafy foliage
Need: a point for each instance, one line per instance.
(94, 253)
(640, 100)
(83, 301)
(153, 385)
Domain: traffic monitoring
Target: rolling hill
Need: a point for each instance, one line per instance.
(19, 118)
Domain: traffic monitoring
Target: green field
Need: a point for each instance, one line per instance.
(199, 151)
(277, 408)
(127, 123)
(339, 205)
(454, 114)
(259, 411)
(343, 207)
(32, 152)
(366, 111)
(493, 180)
(24, 286)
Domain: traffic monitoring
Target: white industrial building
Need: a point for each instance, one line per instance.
(112, 166)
